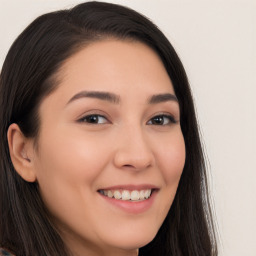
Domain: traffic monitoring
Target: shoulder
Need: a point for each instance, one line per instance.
(4, 252)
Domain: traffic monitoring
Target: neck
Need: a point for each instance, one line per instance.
(106, 253)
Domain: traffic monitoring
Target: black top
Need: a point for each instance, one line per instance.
(4, 252)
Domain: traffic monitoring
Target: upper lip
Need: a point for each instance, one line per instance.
(130, 187)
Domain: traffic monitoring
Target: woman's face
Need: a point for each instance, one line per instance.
(111, 128)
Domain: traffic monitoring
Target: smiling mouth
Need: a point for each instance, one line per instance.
(127, 195)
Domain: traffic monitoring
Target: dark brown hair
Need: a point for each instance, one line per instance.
(29, 74)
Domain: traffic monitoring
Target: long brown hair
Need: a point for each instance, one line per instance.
(28, 76)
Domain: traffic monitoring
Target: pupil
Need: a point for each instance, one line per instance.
(92, 119)
(158, 120)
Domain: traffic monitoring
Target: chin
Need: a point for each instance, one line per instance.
(132, 240)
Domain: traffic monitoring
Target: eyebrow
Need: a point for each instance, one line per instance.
(106, 96)
(113, 98)
(159, 98)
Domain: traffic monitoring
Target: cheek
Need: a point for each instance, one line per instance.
(67, 168)
(67, 171)
(71, 156)
(171, 159)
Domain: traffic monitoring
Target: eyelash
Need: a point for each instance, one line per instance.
(171, 119)
(95, 116)
(161, 118)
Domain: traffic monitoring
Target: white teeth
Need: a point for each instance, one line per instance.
(134, 195)
(142, 194)
(110, 194)
(126, 195)
(147, 193)
(117, 195)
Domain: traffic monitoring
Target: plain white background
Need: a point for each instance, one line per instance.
(216, 41)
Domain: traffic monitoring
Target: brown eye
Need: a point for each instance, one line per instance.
(161, 120)
(94, 119)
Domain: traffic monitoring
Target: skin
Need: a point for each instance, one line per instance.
(76, 158)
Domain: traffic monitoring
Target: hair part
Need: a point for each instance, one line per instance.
(30, 73)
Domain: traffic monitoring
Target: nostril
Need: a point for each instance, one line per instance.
(135, 166)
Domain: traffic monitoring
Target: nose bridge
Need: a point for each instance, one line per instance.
(134, 148)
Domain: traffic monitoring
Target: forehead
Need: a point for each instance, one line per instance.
(121, 67)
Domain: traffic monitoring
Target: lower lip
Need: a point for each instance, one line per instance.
(132, 207)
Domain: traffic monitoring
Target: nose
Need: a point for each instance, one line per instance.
(133, 151)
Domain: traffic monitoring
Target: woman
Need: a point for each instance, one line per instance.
(100, 151)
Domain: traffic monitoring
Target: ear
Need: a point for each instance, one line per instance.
(21, 152)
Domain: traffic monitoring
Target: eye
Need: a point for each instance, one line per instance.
(94, 119)
(162, 120)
